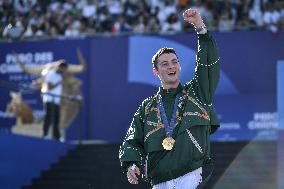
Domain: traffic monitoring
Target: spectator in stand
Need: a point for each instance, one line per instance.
(24, 6)
(90, 9)
(172, 24)
(115, 8)
(139, 27)
(281, 7)
(13, 30)
(121, 25)
(226, 23)
(153, 25)
(104, 19)
(244, 23)
(73, 29)
(256, 15)
(165, 11)
(271, 17)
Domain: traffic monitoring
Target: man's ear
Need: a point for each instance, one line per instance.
(155, 72)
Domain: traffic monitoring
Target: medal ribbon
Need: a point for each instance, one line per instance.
(169, 127)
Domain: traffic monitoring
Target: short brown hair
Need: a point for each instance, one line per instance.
(159, 53)
(63, 65)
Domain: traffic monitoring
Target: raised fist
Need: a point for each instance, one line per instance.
(193, 17)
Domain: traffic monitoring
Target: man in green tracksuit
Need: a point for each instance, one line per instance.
(169, 134)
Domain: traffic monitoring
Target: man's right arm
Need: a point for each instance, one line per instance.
(132, 149)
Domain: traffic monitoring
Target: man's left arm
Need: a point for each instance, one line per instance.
(207, 71)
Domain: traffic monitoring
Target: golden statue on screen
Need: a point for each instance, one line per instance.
(71, 95)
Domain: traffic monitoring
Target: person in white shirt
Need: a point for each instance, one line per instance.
(52, 90)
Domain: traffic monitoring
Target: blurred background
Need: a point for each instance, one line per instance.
(109, 45)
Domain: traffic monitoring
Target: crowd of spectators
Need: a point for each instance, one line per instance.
(75, 18)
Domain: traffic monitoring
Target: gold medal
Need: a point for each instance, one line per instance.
(168, 143)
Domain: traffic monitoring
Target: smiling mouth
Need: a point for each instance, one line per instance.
(172, 73)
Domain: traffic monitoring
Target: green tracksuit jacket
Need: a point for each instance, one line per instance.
(196, 120)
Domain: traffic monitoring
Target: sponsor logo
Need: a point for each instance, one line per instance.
(31, 59)
(6, 115)
(230, 126)
(263, 120)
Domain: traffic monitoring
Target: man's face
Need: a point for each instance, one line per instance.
(168, 69)
(64, 69)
